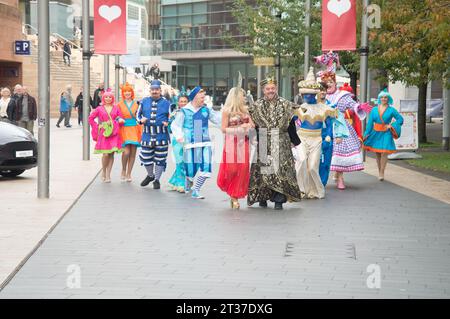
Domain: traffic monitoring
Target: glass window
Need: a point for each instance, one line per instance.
(169, 11)
(169, 21)
(184, 9)
(200, 8)
(185, 20)
(133, 12)
(200, 19)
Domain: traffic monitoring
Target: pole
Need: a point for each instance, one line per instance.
(124, 75)
(446, 120)
(364, 70)
(258, 81)
(117, 77)
(106, 71)
(44, 99)
(86, 80)
(307, 42)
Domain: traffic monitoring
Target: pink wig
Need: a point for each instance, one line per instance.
(108, 92)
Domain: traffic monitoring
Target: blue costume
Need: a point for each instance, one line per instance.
(191, 125)
(155, 135)
(334, 128)
(378, 137)
(178, 179)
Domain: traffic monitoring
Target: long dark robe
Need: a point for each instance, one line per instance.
(267, 179)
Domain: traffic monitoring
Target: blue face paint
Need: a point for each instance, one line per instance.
(310, 98)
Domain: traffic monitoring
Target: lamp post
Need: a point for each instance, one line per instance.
(278, 59)
(86, 80)
(43, 189)
(364, 68)
(307, 42)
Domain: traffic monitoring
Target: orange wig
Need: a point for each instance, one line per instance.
(328, 76)
(127, 88)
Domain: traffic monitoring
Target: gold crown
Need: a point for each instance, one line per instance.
(269, 80)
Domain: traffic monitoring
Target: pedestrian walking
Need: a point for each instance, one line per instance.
(178, 179)
(25, 110)
(4, 103)
(130, 131)
(153, 113)
(190, 128)
(13, 103)
(67, 52)
(105, 131)
(384, 125)
(79, 106)
(98, 95)
(234, 170)
(63, 111)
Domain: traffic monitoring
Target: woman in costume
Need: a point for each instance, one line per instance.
(130, 132)
(106, 132)
(381, 131)
(178, 178)
(234, 171)
(347, 155)
(312, 117)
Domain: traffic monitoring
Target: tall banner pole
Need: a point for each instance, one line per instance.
(86, 79)
(307, 42)
(106, 71)
(43, 190)
(364, 68)
(117, 77)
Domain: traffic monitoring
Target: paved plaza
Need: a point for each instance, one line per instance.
(123, 241)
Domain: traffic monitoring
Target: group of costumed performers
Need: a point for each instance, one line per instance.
(274, 150)
(190, 128)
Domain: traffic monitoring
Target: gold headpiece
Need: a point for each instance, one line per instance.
(269, 80)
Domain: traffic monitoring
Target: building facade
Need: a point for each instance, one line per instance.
(11, 26)
(194, 34)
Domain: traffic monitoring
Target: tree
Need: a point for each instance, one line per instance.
(267, 34)
(413, 46)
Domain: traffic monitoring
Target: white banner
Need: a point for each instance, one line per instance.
(132, 59)
(409, 139)
(435, 107)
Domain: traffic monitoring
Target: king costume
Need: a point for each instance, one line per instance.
(191, 125)
(155, 136)
(272, 175)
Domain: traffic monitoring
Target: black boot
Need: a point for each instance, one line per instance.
(263, 204)
(278, 206)
(156, 184)
(147, 180)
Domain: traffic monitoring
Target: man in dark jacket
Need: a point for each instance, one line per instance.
(17, 93)
(98, 95)
(25, 111)
(67, 51)
(79, 105)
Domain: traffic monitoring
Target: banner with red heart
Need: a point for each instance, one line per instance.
(338, 25)
(110, 26)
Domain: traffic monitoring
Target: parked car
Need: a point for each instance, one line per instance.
(18, 150)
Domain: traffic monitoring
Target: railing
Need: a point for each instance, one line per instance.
(63, 38)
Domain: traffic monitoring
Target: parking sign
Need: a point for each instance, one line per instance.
(22, 47)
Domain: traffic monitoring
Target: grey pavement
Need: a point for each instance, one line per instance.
(123, 241)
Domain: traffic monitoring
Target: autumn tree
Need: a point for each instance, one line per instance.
(412, 45)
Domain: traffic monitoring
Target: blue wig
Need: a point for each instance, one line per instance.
(385, 93)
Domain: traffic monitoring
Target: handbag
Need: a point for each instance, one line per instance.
(108, 127)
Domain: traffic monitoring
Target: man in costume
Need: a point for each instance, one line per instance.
(312, 117)
(153, 113)
(190, 128)
(272, 175)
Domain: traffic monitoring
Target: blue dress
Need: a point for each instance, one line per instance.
(177, 181)
(378, 138)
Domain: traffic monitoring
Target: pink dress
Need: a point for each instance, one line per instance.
(112, 143)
